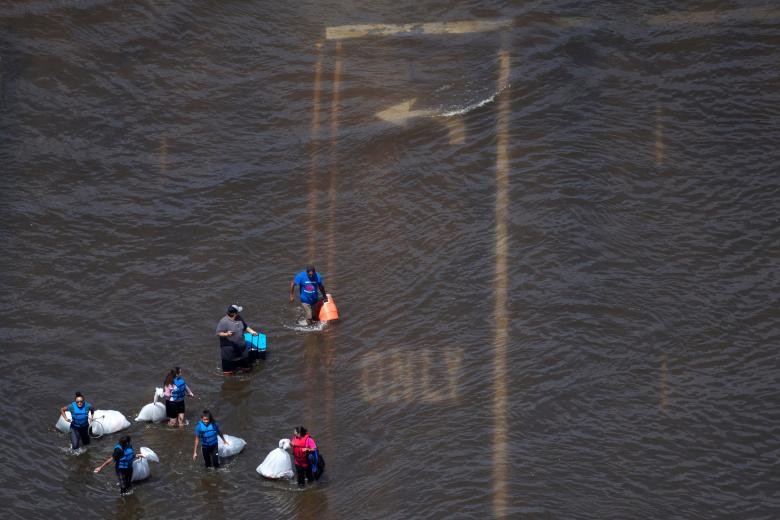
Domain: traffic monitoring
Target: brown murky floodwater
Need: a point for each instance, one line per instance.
(552, 229)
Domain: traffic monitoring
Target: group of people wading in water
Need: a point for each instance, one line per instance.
(235, 357)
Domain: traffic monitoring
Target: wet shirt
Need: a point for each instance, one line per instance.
(308, 287)
(298, 445)
(231, 347)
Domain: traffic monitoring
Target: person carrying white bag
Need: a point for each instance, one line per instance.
(107, 422)
(207, 432)
(278, 463)
(79, 414)
(154, 411)
(123, 457)
(141, 470)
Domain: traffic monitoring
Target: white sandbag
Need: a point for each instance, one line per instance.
(149, 454)
(105, 422)
(152, 412)
(63, 425)
(159, 394)
(278, 463)
(141, 469)
(228, 450)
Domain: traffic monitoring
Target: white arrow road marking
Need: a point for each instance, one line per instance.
(400, 113)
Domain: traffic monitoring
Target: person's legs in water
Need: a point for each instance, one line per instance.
(215, 457)
(211, 456)
(228, 367)
(170, 412)
(84, 434)
(206, 451)
(75, 438)
(307, 312)
(180, 414)
(315, 311)
(245, 363)
(125, 477)
(300, 472)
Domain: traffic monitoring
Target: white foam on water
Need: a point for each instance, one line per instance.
(299, 327)
(474, 106)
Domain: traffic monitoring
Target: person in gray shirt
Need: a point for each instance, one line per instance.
(230, 330)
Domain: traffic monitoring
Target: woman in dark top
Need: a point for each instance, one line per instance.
(232, 346)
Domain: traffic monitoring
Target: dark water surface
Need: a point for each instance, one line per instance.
(557, 275)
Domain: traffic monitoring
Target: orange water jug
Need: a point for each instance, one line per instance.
(328, 310)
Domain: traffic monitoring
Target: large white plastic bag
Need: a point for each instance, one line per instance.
(154, 412)
(64, 426)
(235, 446)
(278, 463)
(105, 422)
(141, 469)
(149, 454)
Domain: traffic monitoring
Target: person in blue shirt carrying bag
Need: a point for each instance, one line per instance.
(309, 282)
(123, 457)
(207, 432)
(80, 412)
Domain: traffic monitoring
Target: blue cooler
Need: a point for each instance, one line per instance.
(255, 345)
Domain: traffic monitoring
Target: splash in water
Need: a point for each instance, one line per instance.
(478, 104)
(302, 326)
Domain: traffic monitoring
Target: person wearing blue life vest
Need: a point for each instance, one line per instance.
(178, 391)
(207, 432)
(309, 282)
(80, 412)
(123, 457)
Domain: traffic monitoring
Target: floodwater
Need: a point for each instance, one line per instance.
(552, 230)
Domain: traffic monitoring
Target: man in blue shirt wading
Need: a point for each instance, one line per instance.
(309, 282)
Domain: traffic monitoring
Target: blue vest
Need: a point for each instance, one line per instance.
(79, 416)
(177, 394)
(127, 457)
(208, 434)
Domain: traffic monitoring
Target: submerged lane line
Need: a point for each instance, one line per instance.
(659, 137)
(341, 32)
(663, 386)
(500, 404)
(163, 154)
(330, 263)
(313, 161)
(334, 138)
